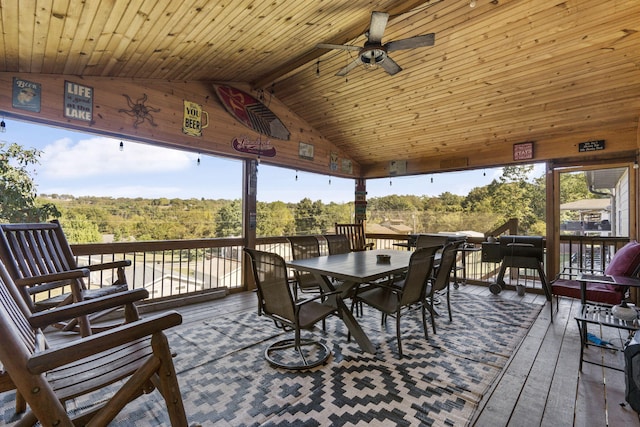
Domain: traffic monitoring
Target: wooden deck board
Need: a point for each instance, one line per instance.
(560, 408)
(541, 384)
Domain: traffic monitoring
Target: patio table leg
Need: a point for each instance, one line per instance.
(345, 314)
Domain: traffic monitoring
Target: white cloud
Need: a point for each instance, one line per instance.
(101, 156)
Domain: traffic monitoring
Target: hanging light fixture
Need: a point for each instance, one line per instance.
(372, 57)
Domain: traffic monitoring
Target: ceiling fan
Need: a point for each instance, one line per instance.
(374, 53)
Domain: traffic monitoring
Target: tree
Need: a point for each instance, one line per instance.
(274, 219)
(229, 220)
(309, 217)
(512, 196)
(79, 229)
(17, 190)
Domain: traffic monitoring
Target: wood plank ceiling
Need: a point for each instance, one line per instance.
(502, 72)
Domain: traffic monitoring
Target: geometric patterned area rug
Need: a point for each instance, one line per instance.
(225, 380)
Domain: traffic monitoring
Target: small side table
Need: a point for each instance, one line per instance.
(600, 314)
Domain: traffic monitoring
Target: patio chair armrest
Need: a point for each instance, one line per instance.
(76, 350)
(94, 305)
(62, 277)
(108, 265)
(322, 295)
(386, 284)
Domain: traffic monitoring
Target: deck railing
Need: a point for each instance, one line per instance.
(176, 268)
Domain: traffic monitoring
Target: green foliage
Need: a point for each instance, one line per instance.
(274, 219)
(513, 197)
(229, 220)
(483, 209)
(17, 189)
(79, 229)
(309, 217)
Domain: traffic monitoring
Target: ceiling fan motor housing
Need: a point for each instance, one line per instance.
(373, 53)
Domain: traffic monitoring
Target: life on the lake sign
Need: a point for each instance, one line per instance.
(78, 101)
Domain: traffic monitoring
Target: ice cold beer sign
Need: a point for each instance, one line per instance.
(78, 101)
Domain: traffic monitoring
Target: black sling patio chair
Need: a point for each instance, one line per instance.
(392, 297)
(303, 247)
(276, 301)
(441, 279)
(337, 244)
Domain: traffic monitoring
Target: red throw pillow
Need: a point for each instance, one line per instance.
(625, 261)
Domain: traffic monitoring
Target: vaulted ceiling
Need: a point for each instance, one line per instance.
(499, 73)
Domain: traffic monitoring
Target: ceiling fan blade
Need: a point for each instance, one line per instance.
(377, 26)
(411, 42)
(343, 72)
(390, 66)
(337, 46)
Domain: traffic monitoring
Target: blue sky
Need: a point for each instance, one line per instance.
(90, 165)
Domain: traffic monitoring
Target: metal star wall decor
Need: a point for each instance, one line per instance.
(140, 111)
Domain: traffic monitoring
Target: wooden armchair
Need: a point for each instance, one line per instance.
(48, 377)
(356, 235)
(41, 263)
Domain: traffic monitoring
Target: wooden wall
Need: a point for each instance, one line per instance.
(166, 100)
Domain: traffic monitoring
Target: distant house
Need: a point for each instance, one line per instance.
(593, 217)
(389, 227)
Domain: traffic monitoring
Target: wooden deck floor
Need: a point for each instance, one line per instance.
(540, 386)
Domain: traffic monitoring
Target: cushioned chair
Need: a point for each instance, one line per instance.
(276, 301)
(625, 262)
(337, 244)
(303, 247)
(440, 281)
(393, 296)
(47, 377)
(41, 263)
(356, 235)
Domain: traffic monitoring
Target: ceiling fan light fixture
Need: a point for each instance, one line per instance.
(372, 57)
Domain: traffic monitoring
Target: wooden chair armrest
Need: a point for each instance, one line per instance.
(6, 383)
(62, 277)
(76, 350)
(108, 265)
(65, 312)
